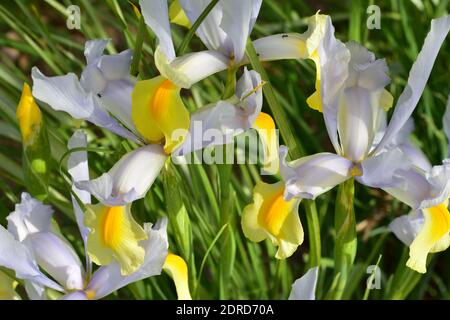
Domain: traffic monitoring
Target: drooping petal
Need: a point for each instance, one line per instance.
(29, 116)
(77, 166)
(108, 279)
(270, 216)
(381, 171)
(310, 176)
(114, 237)
(129, 179)
(156, 16)
(417, 79)
(30, 216)
(57, 258)
(190, 68)
(65, 93)
(304, 288)
(159, 113)
(7, 288)
(407, 227)
(77, 295)
(177, 268)
(93, 49)
(16, 256)
(435, 227)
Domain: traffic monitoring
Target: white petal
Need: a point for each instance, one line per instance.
(108, 279)
(439, 180)
(156, 16)
(209, 30)
(213, 125)
(309, 177)
(190, 68)
(93, 49)
(236, 25)
(77, 295)
(35, 291)
(116, 66)
(30, 216)
(66, 94)
(418, 77)
(304, 288)
(248, 90)
(334, 58)
(407, 227)
(78, 168)
(380, 171)
(57, 258)
(130, 178)
(16, 256)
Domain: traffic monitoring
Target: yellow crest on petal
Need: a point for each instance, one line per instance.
(177, 15)
(270, 216)
(7, 288)
(114, 236)
(159, 113)
(433, 237)
(177, 268)
(29, 115)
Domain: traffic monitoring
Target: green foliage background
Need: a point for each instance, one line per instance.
(35, 33)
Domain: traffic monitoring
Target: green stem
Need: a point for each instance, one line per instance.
(313, 233)
(345, 244)
(195, 26)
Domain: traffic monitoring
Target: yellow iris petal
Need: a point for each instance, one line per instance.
(435, 230)
(314, 101)
(265, 127)
(270, 216)
(29, 115)
(159, 113)
(7, 288)
(114, 236)
(177, 268)
(178, 16)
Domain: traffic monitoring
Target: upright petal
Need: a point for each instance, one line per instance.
(156, 16)
(177, 268)
(270, 216)
(93, 49)
(236, 18)
(108, 279)
(129, 179)
(115, 237)
(310, 176)
(78, 168)
(268, 134)
(334, 59)
(304, 288)
(417, 79)
(66, 94)
(31, 216)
